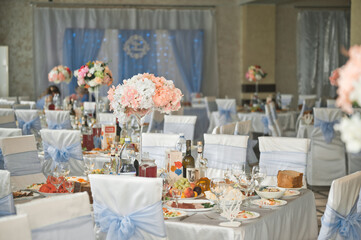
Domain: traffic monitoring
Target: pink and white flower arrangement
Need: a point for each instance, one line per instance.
(143, 93)
(349, 94)
(60, 74)
(255, 73)
(335, 75)
(93, 74)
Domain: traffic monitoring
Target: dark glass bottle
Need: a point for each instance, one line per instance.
(188, 163)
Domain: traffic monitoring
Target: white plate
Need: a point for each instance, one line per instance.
(52, 194)
(182, 214)
(27, 198)
(290, 193)
(200, 196)
(238, 218)
(168, 204)
(291, 188)
(265, 203)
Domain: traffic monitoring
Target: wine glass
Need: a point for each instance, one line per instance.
(238, 170)
(176, 193)
(247, 184)
(89, 164)
(259, 174)
(64, 169)
(217, 187)
(56, 179)
(69, 185)
(166, 185)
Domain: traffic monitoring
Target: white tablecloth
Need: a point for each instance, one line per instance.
(287, 120)
(296, 220)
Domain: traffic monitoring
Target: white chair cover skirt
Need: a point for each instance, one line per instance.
(5, 187)
(15, 228)
(9, 132)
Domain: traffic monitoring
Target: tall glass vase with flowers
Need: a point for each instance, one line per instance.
(142, 94)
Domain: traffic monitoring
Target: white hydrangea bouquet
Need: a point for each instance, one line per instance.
(349, 96)
(60, 74)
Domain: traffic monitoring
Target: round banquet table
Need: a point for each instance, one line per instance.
(287, 120)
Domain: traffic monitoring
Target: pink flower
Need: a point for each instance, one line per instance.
(334, 77)
(61, 77)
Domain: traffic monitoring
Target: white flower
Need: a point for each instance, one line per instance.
(98, 67)
(92, 83)
(76, 73)
(92, 70)
(350, 129)
(356, 93)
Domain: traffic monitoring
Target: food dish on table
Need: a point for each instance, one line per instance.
(191, 205)
(291, 193)
(289, 179)
(246, 215)
(269, 203)
(24, 195)
(173, 214)
(270, 192)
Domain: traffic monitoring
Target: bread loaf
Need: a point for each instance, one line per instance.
(289, 179)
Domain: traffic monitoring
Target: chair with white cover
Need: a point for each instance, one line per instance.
(327, 160)
(7, 132)
(21, 106)
(15, 228)
(59, 218)
(28, 120)
(269, 125)
(156, 122)
(130, 209)
(228, 128)
(58, 119)
(211, 105)
(342, 216)
(32, 104)
(304, 97)
(222, 151)
(331, 103)
(275, 119)
(6, 195)
(180, 124)
(7, 118)
(216, 130)
(61, 147)
(226, 111)
(286, 100)
(283, 153)
(22, 161)
(107, 118)
(156, 144)
(243, 128)
(307, 106)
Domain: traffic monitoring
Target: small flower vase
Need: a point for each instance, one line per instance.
(256, 93)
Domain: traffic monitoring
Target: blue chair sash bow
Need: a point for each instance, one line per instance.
(326, 128)
(149, 219)
(27, 126)
(62, 155)
(7, 205)
(54, 125)
(348, 227)
(265, 122)
(226, 113)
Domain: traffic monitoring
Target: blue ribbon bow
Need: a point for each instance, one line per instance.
(27, 126)
(64, 125)
(348, 227)
(226, 113)
(149, 219)
(265, 124)
(7, 205)
(63, 154)
(326, 128)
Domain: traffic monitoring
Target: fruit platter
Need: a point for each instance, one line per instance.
(188, 190)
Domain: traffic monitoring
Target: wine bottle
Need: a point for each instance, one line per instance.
(188, 163)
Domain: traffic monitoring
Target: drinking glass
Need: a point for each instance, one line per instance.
(218, 185)
(247, 185)
(89, 164)
(64, 169)
(176, 194)
(56, 179)
(238, 170)
(69, 185)
(259, 174)
(166, 184)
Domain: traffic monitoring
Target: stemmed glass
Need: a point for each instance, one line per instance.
(238, 170)
(69, 185)
(176, 193)
(247, 184)
(218, 185)
(259, 174)
(166, 184)
(89, 164)
(56, 179)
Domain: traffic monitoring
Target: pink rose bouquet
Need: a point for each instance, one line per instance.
(93, 74)
(142, 93)
(60, 74)
(255, 73)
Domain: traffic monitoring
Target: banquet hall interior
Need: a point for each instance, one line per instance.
(180, 119)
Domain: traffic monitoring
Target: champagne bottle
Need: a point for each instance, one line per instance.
(188, 163)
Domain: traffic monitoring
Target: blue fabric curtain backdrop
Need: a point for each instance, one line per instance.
(80, 46)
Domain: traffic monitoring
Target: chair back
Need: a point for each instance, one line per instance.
(228, 128)
(6, 195)
(15, 227)
(216, 130)
(282, 153)
(7, 132)
(22, 161)
(331, 103)
(156, 144)
(223, 151)
(28, 120)
(268, 122)
(62, 217)
(32, 104)
(304, 97)
(130, 210)
(307, 106)
(327, 148)
(62, 146)
(7, 118)
(243, 127)
(275, 119)
(286, 100)
(211, 105)
(21, 106)
(180, 124)
(342, 216)
(58, 119)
